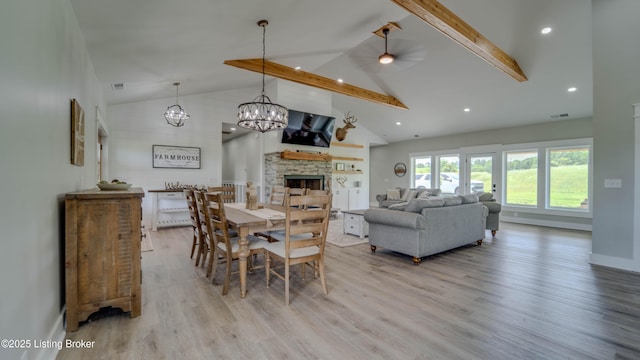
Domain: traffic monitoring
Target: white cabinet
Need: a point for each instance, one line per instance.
(353, 223)
(169, 209)
(350, 199)
(357, 199)
(340, 199)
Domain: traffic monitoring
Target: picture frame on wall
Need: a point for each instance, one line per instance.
(176, 157)
(77, 133)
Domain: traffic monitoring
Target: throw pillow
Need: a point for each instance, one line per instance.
(416, 205)
(452, 200)
(393, 194)
(408, 195)
(485, 196)
(469, 198)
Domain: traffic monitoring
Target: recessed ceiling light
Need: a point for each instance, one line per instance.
(545, 30)
(467, 109)
(572, 89)
(398, 123)
(340, 81)
(232, 129)
(298, 67)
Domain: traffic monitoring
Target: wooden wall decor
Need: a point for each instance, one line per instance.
(77, 133)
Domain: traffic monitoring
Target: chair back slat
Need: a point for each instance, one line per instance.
(218, 219)
(300, 219)
(228, 192)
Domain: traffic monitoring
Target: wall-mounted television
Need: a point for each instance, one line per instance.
(308, 129)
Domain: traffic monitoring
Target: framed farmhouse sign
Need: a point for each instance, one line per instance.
(177, 157)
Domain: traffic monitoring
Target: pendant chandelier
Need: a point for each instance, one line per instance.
(175, 114)
(261, 114)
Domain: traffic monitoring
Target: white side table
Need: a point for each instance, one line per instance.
(353, 223)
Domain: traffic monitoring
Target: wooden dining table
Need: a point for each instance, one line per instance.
(245, 221)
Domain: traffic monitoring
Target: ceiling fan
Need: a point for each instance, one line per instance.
(398, 54)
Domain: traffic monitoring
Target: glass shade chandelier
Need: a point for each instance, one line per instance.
(175, 114)
(261, 114)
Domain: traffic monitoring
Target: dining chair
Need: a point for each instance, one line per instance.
(205, 236)
(277, 195)
(278, 192)
(228, 192)
(195, 220)
(297, 191)
(306, 224)
(224, 246)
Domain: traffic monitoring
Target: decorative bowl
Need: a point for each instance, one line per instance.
(111, 186)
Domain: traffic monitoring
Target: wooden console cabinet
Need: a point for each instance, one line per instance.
(102, 252)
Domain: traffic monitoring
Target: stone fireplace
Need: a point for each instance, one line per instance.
(300, 173)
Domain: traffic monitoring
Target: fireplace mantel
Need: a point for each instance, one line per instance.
(296, 155)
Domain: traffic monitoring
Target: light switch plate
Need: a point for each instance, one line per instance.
(612, 183)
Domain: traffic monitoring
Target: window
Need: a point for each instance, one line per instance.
(521, 187)
(568, 170)
(422, 171)
(449, 169)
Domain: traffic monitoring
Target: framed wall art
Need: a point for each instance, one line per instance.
(176, 157)
(400, 169)
(77, 133)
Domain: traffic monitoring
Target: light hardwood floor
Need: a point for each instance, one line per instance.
(528, 293)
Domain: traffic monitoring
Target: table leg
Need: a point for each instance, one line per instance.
(243, 253)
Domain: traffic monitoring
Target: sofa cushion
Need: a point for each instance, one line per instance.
(425, 193)
(416, 205)
(469, 198)
(393, 194)
(452, 200)
(399, 206)
(408, 195)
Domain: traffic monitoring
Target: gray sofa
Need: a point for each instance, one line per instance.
(428, 226)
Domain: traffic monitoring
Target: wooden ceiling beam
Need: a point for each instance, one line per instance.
(311, 79)
(448, 23)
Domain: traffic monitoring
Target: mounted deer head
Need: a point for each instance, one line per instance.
(349, 120)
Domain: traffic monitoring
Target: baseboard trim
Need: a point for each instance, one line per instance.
(615, 262)
(56, 334)
(555, 224)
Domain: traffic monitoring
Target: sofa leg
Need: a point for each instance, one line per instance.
(416, 261)
(479, 242)
(493, 232)
(373, 248)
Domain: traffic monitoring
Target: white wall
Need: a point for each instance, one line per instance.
(44, 64)
(135, 127)
(616, 87)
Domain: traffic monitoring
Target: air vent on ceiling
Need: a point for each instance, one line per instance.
(224, 132)
(557, 116)
(118, 86)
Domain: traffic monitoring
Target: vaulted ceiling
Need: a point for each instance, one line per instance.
(150, 44)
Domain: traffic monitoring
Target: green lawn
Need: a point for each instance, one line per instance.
(569, 186)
